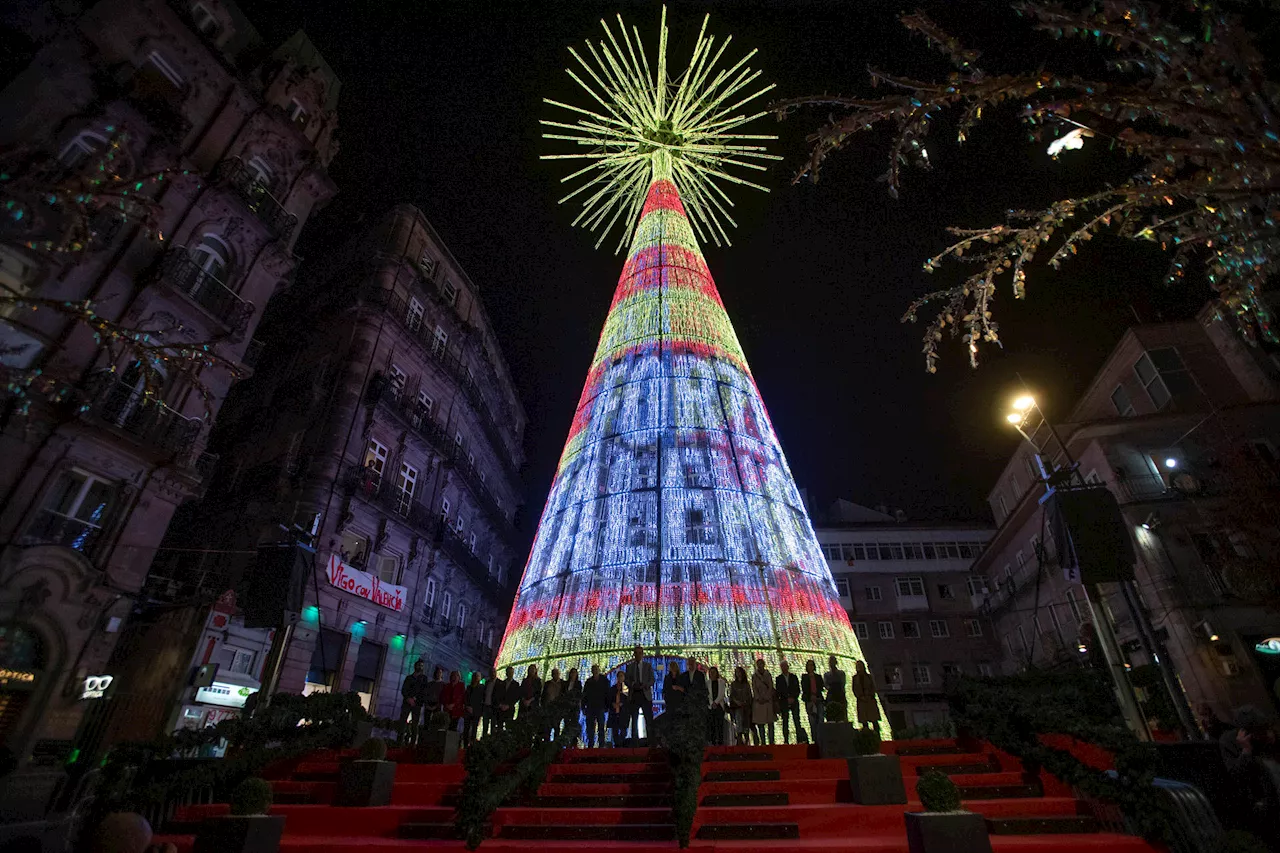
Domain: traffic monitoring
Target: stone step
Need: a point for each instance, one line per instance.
(1000, 792)
(429, 831)
(611, 778)
(930, 750)
(742, 776)
(748, 831)
(739, 756)
(1062, 825)
(603, 801)
(615, 759)
(590, 832)
(780, 798)
(957, 769)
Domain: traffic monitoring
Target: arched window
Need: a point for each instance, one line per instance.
(213, 257)
(462, 617)
(204, 21)
(263, 175)
(86, 144)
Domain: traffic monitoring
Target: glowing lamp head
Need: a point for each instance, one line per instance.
(1013, 418)
(1171, 462)
(1023, 403)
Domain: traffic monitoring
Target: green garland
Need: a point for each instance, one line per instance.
(686, 736)
(1011, 713)
(484, 790)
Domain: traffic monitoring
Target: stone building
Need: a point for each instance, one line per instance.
(86, 496)
(1182, 424)
(382, 430)
(915, 604)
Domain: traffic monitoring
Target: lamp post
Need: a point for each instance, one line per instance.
(1022, 416)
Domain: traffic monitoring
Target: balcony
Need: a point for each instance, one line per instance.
(460, 553)
(180, 271)
(913, 602)
(54, 528)
(382, 493)
(235, 174)
(398, 307)
(129, 409)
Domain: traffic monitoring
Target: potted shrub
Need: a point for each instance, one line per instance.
(436, 744)
(835, 735)
(874, 779)
(248, 829)
(944, 827)
(368, 780)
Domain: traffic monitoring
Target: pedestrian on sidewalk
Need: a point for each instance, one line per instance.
(595, 703)
(740, 702)
(787, 687)
(476, 691)
(864, 694)
(811, 689)
(763, 708)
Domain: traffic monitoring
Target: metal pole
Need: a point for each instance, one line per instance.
(1115, 665)
(275, 663)
(1160, 656)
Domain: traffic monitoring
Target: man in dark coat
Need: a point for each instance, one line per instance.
(697, 687)
(411, 699)
(506, 695)
(638, 676)
(787, 693)
(530, 690)
(596, 694)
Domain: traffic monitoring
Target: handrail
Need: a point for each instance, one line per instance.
(234, 173)
(180, 270)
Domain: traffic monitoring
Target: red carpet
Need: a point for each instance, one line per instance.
(762, 798)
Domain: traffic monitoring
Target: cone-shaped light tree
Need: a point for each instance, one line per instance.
(673, 521)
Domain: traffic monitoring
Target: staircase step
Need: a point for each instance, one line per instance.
(748, 831)
(1000, 792)
(604, 801)
(780, 798)
(742, 776)
(1042, 825)
(930, 750)
(608, 758)
(590, 832)
(956, 769)
(739, 756)
(429, 831)
(293, 798)
(611, 778)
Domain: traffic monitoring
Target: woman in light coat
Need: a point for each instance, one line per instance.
(762, 706)
(718, 700)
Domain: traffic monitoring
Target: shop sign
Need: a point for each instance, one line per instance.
(365, 585)
(227, 695)
(1269, 646)
(16, 677)
(95, 686)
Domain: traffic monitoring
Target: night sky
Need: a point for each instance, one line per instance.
(439, 108)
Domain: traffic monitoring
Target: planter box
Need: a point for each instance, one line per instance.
(876, 780)
(365, 783)
(439, 747)
(947, 832)
(835, 740)
(234, 834)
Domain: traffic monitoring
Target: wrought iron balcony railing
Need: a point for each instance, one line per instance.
(181, 272)
(462, 556)
(129, 409)
(235, 174)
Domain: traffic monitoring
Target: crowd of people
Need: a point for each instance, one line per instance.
(742, 708)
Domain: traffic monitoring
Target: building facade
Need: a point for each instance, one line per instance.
(382, 430)
(915, 603)
(1181, 424)
(127, 89)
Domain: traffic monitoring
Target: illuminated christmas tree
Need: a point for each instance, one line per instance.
(673, 521)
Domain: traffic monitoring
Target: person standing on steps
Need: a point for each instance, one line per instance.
(489, 709)
(811, 689)
(453, 699)
(411, 691)
(596, 696)
(619, 711)
(864, 694)
(762, 705)
(833, 680)
(573, 699)
(718, 700)
(530, 690)
(788, 690)
(431, 697)
(697, 682)
(639, 680)
(740, 705)
(506, 696)
(552, 689)
(474, 707)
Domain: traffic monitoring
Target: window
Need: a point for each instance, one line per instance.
(160, 63)
(375, 460)
(444, 507)
(462, 523)
(984, 670)
(203, 20)
(429, 602)
(86, 144)
(1075, 606)
(1120, 399)
(448, 607)
(297, 113)
(427, 263)
(1004, 508)
(911, 630)
(471, 459)
(973, 628)
(945, 591)
(263, 174)
(893, 676)
(325, 659)
(367, 672)
(860, 631)
(1015, 486)
(491, 565)
(388, 569)
(471, 543)
(462, 616)
(842, 587)
(1053, 617)
(1163, 374)
(489, 638)
(886, 630)
(398, 379)
(354, 548)
(457, 438)
(1035, 623)
(426, 406)
(75, 511)
(939, 629)
(909, 586)
(1020, 558)
(413, 317)
(873, 593)
(406, 487)
(1022, 637)
(920, 672)
(449, 291)
(242, 662)
(439, 341)
(858, 552)
(977, 585)
(950, 671)
(213, 257)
